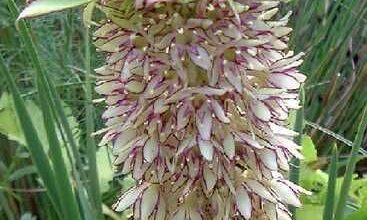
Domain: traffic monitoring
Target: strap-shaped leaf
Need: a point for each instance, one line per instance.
(42, 7)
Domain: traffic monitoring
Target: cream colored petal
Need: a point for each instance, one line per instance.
(261, 190)
(201, 58)
(151, 149)
(285, 193)
(129, 197)
(261, 111)
(243, 202)
(210, 178)
(206, 149)
(229, 145)
(149, 201)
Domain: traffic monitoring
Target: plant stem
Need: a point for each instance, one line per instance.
(298, 127)
(90, 127)
(330, 195)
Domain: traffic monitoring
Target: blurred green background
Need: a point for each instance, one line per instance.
(333, 34)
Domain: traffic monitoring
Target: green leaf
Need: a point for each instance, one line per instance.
(361, 214)
(7, 118)
(352, 161)
(22, 172)
(53, 110)
(310, 212)
(315, 181)
(35, 148)
(42, 7)
(5, 207)
(105, 172)
(88, 14)
(358, 191)
(9, 125)
(308, 149)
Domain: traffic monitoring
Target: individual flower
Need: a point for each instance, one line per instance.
(198, 96)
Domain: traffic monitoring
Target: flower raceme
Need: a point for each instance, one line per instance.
(198, 96)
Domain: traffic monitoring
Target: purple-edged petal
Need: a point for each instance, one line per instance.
(260, 110)
(200, 57)
(261, 190)
(284, 81)
(242, 137)
(219, 112)
(268, 157)
(151, 149)
(210, 178)
(285, 193)
(183, 115)
(206, 149)
(129, 197)
(243, 202)
(229, 145)
(204, 122)
(149, 200)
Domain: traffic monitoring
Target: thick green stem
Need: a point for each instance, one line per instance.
(298, 127)
(90, 127)
(330, 195)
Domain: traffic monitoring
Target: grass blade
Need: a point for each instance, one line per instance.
(34, 145)
(6, 208)
(62, 177)
(352, 161)
(57, 108)
(52, 96)
(330, 194)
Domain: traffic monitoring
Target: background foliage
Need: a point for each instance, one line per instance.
(333, 33)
